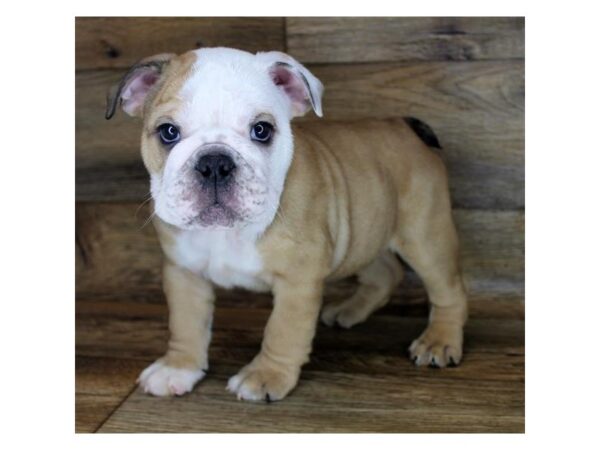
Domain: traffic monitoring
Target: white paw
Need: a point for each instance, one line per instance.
(162, 380)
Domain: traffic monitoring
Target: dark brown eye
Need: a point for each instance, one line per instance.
(261, 132)
(168, 133)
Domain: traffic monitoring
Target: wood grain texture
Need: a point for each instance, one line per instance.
(117, 255)
(409, 301)
(103, 42)
(115, 251)
(370, 39)
(476, 109)
(360, 378)
(131, 330)
(101, 384)
(333, 404)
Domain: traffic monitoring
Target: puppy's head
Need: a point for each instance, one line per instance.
(216, 134)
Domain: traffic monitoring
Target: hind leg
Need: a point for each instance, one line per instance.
(377, 281)
(428, 242)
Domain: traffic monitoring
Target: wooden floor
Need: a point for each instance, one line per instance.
(358, 380)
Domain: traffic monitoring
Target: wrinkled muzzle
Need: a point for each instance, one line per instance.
(214, 187)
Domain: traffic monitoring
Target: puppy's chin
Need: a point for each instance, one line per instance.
(210, 217)
(217, 215)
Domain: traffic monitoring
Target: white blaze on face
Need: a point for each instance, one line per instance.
(226, 93)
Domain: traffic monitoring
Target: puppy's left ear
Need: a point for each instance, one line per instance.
(302, 88)
(132, 91)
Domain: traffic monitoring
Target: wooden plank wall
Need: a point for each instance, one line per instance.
(463, 76)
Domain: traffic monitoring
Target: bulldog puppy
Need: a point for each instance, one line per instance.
(241, 199)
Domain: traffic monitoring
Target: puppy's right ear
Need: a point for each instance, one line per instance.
(132, 91)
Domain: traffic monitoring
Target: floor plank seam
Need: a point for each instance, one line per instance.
(116, 408)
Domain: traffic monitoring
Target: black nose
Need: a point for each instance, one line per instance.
(215, 167)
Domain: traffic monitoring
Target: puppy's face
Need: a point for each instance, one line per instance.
(217, 140)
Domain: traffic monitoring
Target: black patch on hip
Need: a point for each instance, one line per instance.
(424, 131)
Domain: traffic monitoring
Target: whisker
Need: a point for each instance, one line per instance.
(148, 220)
(149, 195)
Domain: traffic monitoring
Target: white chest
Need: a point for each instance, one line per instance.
(224, 257)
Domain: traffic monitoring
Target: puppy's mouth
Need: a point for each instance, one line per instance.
(216, 214)
(213, 189)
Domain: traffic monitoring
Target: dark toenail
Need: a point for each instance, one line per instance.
(452, 363)
(268, 398)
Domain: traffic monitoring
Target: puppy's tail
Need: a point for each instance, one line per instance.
(424, 132)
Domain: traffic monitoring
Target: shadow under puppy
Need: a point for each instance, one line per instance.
(241, 200)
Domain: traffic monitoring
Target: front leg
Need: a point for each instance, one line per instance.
(287, 343)
(191, 303)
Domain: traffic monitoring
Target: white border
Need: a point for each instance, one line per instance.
(37, 186)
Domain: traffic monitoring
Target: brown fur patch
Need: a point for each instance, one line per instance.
(163, 102)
